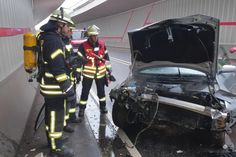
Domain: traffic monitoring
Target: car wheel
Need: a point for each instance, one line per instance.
(120, 115)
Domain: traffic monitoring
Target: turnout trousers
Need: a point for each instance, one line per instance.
(70, 111)
(71, 108)
(55, 120)
(86, 86)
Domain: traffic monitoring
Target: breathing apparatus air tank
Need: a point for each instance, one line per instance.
(30, 54)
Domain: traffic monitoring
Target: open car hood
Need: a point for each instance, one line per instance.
(191, 40)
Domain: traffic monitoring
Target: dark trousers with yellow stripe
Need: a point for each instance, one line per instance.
(71, 106)
(54, 120)
(71, 110)
(86, 86)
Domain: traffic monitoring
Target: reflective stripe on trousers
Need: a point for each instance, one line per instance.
(54, 120)
(86, 86)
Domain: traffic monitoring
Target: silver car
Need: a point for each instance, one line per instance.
(175, 79)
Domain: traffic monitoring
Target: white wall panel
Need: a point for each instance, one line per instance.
(12, 16)
(225, 10)
(138, 18)
(222, 9)
(16, 94)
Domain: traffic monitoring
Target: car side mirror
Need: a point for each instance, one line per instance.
(228, 69)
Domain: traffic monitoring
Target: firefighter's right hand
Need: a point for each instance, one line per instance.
(68, 88)
(77, 75)
(112, 78)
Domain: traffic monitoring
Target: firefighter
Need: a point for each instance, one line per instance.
(55, 83)
(96, 54)
(75, 74)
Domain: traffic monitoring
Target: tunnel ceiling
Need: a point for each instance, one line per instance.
(111, 7)
(43, 8)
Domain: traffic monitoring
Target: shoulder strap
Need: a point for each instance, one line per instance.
(41, 67)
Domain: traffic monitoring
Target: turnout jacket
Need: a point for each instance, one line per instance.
(96, 56)
(55, 80)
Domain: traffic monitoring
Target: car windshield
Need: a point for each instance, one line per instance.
(171, 71)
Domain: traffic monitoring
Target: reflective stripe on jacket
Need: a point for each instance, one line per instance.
(94, 68)
(55, 71)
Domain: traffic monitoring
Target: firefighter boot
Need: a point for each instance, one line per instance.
(73, 118)
(81, 112)
(68, 128)
(103, 109)
(62, 151)
(64, 139)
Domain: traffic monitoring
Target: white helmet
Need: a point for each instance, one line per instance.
(61, 16)
(93, 30)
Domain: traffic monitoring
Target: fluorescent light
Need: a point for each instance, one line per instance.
(80, 3)
(87, 7)
(69, 3)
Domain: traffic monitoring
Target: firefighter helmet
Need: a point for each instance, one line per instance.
(93, 30)
(61, 16)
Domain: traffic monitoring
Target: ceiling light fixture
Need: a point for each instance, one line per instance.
(87, 7)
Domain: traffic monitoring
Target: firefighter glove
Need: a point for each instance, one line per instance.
(106, 81)
(112, 78)
(77, 75)
(67, 87)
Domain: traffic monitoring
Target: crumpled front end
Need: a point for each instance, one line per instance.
(143, 104)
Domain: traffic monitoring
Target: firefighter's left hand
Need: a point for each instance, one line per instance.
(77, 76)
(112, 78)
(106, 81)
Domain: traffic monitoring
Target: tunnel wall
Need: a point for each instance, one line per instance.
(16, 94)
(114, 28)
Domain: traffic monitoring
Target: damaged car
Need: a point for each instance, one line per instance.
(175, 78)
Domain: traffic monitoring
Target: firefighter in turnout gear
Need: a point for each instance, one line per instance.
(95, 69)
(55, 83)
(74, 61)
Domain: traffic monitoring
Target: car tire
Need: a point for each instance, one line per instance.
(120, 115)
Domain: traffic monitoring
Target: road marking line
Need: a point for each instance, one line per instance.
(120, 61)
(124, 138)
(128, 144)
